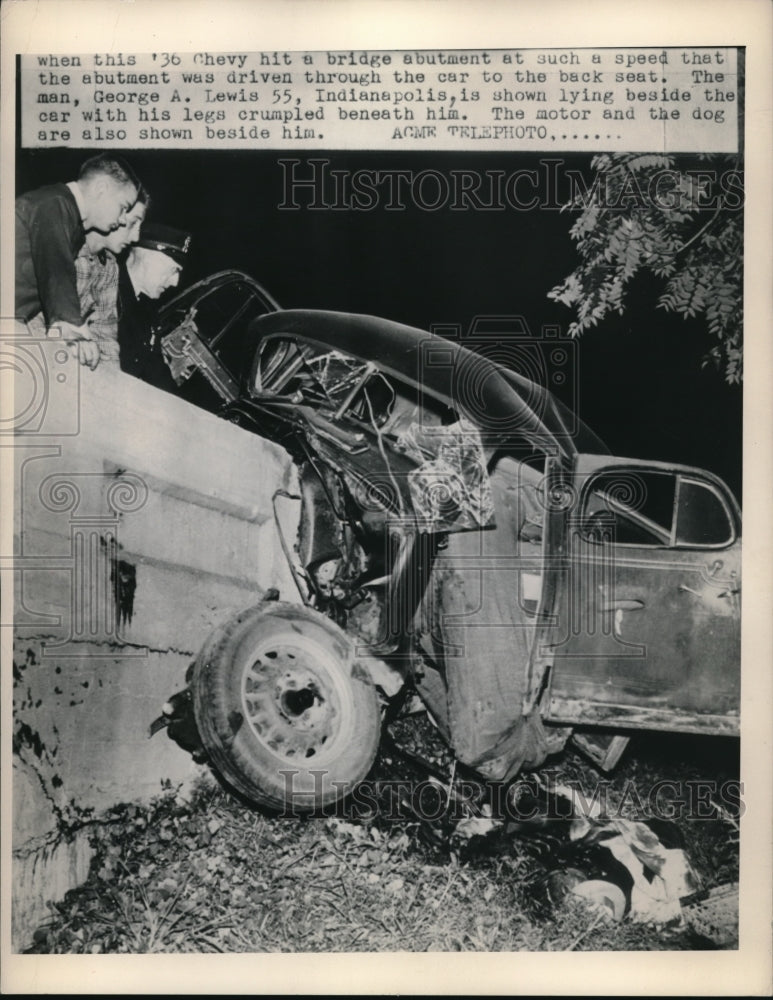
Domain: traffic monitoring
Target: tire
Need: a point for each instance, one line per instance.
(288, 716)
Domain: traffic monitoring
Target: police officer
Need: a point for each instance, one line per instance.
(152, 266)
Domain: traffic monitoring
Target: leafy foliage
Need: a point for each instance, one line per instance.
(685, 226)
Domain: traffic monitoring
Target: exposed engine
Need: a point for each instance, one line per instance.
(346, 582)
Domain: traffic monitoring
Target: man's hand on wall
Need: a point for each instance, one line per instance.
(81, 339)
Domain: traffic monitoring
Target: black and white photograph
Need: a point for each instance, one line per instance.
(386, 392)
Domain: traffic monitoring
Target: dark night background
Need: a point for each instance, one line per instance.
(640, 384)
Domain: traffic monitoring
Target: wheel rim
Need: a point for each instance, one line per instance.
(296, 700)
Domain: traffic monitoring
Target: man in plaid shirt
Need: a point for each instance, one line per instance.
(51, 225)
(96, 269)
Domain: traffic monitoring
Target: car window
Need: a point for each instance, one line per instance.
(205, 337)
(702, 517)
(223, 318)
(630, 507)
(657, 508)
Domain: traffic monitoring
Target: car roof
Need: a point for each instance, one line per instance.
(502, 403)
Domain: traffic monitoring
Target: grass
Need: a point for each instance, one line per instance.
(212, 874)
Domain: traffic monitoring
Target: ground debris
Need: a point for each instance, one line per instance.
(211, 874)
(713, 915)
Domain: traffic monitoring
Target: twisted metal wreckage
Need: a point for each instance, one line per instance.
(463, 537)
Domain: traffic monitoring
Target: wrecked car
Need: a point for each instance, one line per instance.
(463, 537)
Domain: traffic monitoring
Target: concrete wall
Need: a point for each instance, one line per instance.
(139, 529)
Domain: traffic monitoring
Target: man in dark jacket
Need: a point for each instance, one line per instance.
(51, 224)
(153, 265)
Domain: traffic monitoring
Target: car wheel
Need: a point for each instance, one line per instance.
(288, 716)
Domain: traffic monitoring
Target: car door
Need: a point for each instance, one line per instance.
(205, 338)
(647, 625)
